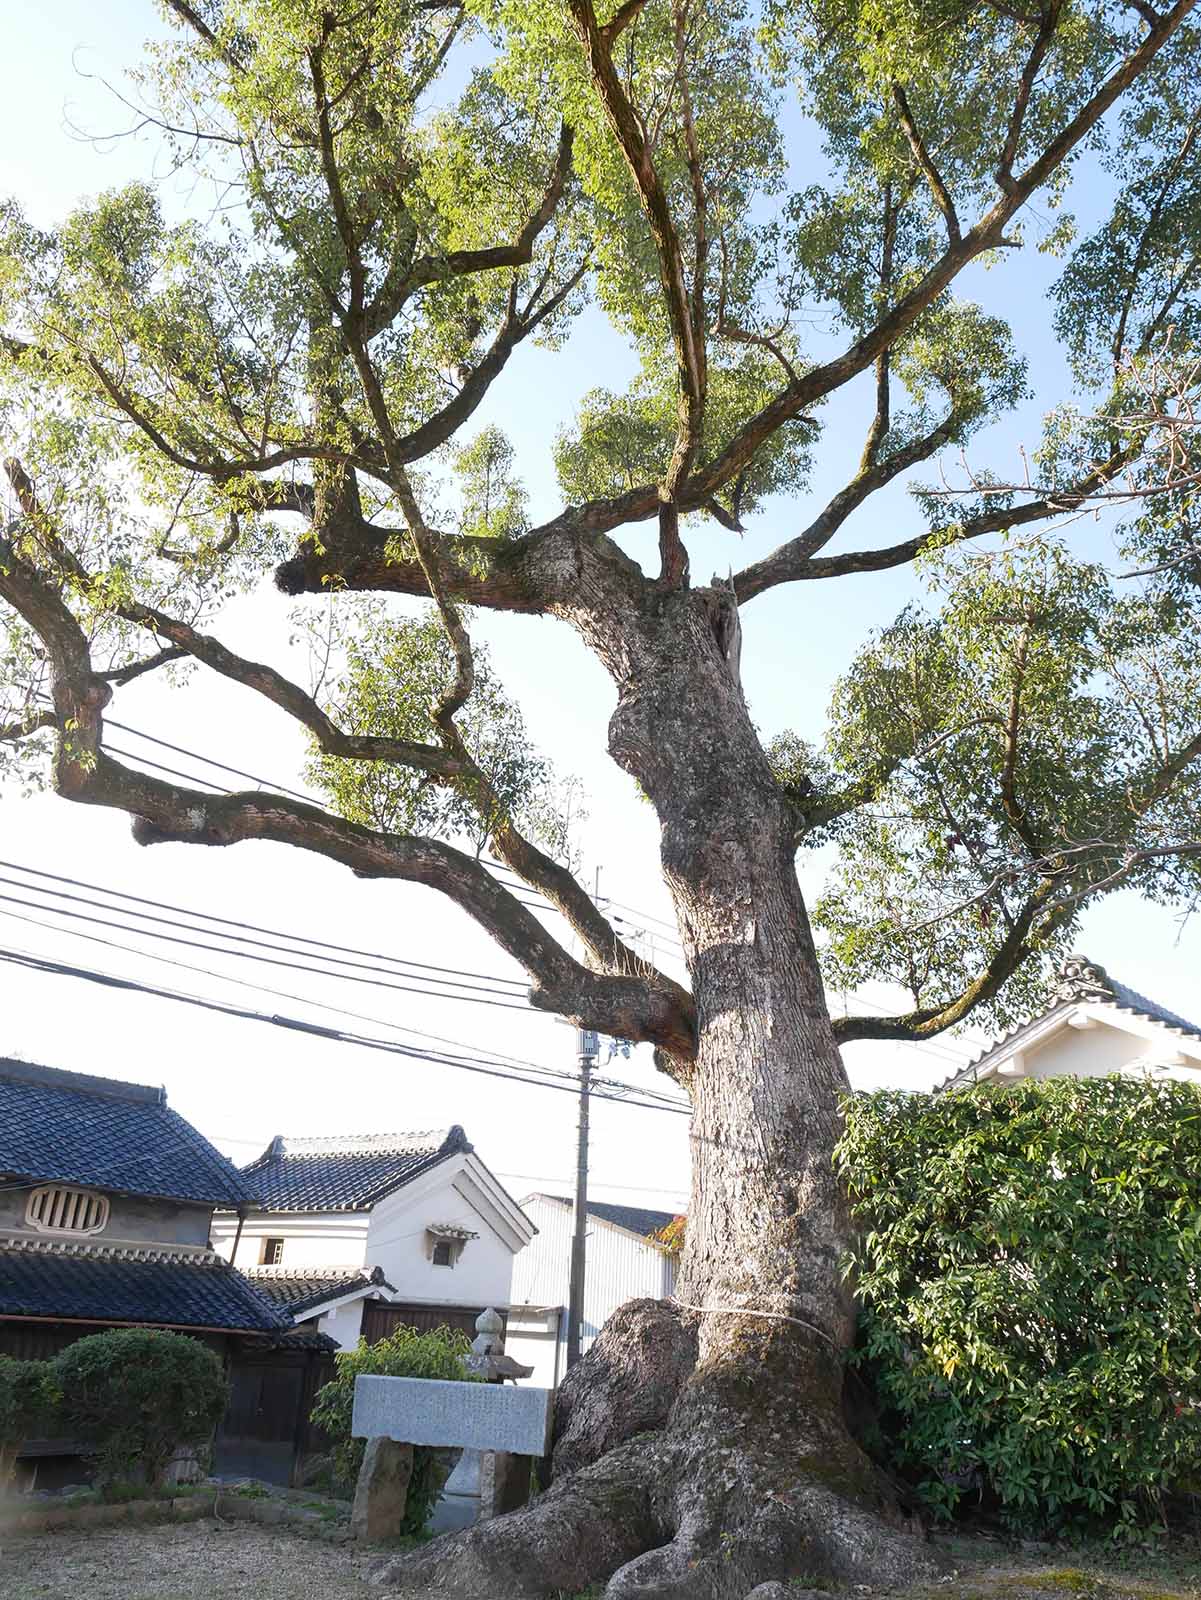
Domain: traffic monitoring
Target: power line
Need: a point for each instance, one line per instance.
(251, 777)
(470, 994)
(529, 896)
(208, 761)
(672, 934)
(538, 903)
(494, 1057)
(566, 1183)
(298, 1025)
(619, 1088)
(616, 1085)
(274, 934)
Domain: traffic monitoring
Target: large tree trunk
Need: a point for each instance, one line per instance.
(751, 1473)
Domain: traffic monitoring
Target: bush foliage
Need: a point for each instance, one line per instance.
(1028, 1270)
(29, 1395)
(406, 1353)
(137, 1395)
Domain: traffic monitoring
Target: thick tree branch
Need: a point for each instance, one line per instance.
(515, 327)
(32, 722)
(1042, 43)
(635, 1007)
(685, 309)
(924, 1022)
(366, 567)
(790, 564)
(942, 195)
(538, 573)
(986, 234)
(118, 676)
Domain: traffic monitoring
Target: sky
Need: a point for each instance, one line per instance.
(241, 1082)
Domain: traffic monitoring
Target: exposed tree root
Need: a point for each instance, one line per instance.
(745, 1483)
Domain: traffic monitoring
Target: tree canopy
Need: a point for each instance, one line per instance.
(411, 190)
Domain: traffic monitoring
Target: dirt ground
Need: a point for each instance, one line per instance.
(182, 1561)
(243, 1561)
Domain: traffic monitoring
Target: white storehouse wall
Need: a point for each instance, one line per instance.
(396, 1241)
(311, 1238)
(619, 1266)
(460, 1193)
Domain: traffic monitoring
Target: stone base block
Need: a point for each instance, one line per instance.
(382, 1490)
(504, 1483)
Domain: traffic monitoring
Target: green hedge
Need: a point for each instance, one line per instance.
(1029, 1270)
(405, 1354)
(137, 1395)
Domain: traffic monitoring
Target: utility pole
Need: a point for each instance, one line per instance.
(587, 1049)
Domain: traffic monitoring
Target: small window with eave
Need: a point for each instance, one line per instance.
(273, 1252)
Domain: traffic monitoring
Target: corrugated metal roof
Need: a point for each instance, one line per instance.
(636, 1219)
(348, 1173)
(67, 1127)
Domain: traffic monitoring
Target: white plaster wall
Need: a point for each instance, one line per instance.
(396, 1241)
(343, 1324)
(1106, 1048)
(311, 1239)
(536, 1342)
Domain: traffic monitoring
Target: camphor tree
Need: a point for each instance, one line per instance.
(412, 189)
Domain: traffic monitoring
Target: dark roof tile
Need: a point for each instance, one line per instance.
(297, 1292)
(352, 1173)
(116, 1287)
(65, 1127)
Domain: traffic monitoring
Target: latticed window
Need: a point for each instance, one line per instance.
(54, 1208)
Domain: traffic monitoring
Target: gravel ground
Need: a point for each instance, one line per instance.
(183, 1561)
(246, 1561)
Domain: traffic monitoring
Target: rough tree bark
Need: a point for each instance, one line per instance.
(742, 1468)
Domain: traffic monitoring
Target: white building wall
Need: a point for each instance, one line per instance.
(311, 1239)
(397, 1242)
(344, 1324)
(1088, 1053)
(393, 1236)
(618, 1266)
(1108, 1042)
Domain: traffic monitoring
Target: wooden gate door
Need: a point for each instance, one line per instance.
(266, 1415)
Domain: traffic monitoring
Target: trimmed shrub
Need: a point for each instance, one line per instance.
(404, 1354)
(1029, 1274)
(28, 1399)
(136, 1396)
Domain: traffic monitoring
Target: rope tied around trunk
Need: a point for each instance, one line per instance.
(746, 1311)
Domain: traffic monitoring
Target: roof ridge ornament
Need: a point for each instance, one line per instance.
(1081, 979)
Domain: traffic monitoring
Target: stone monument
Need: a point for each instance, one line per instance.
(500, 1431)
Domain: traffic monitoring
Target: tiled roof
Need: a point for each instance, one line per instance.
(66, 1127)
(298, 1290)
(1130, 1000)
(127, 1286)
(1080, 980)
(351, 1173)
(637, 1219)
